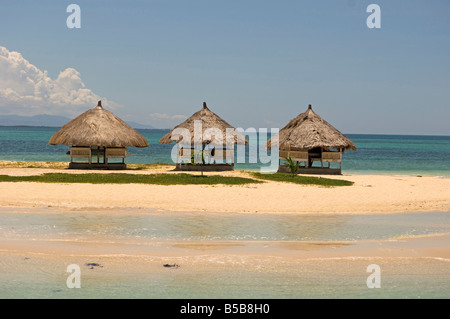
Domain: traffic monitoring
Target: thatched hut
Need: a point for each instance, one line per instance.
(204, 142)
(307, 139)
(99, 138)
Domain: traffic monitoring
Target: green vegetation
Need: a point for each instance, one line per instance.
(157, 179)
(124, 178)
(293, 166)
(304, 180)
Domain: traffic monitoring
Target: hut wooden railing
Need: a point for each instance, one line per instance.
(80, 152)
(116, 152)
(332, 157)
(299, 156)
(209, 156)
(303, 156)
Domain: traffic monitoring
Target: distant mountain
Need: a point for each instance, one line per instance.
(48, 120)
(138, 125)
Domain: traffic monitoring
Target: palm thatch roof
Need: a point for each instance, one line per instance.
(308, 130)
(209, 122)
(98, 127)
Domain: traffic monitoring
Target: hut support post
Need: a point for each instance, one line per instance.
(321, 157)
(178, 154)
(203, 158)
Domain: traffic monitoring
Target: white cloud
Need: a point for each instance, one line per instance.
(27, 90)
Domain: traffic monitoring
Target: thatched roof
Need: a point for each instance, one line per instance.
(308, 130)
(98, 127)
(209, 120)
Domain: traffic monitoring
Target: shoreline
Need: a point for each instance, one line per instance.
(133, 168)
(129, 210)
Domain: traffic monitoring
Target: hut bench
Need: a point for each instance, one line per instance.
(299, 156)
(328, 157)
(186, 155)
(332, 157)
(86, 152)
(80, 152)
(308, 158)
(115, 152)
(305, 156)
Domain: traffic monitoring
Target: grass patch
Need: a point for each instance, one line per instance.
(123, 178)
(304, 180)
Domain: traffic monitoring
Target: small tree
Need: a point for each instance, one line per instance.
(293, 165)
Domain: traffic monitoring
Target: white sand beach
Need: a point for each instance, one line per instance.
(369, 194)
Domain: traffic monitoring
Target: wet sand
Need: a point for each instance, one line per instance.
(410, 268)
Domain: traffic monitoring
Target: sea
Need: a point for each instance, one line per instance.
(377, 154)
(132, 253)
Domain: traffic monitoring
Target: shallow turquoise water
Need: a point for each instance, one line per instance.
(326, 278)
(132, 235)
(192, 226)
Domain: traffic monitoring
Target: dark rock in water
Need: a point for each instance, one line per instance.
(92, 265)
(171, 266)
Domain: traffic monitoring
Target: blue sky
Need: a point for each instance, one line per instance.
(255, 63)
